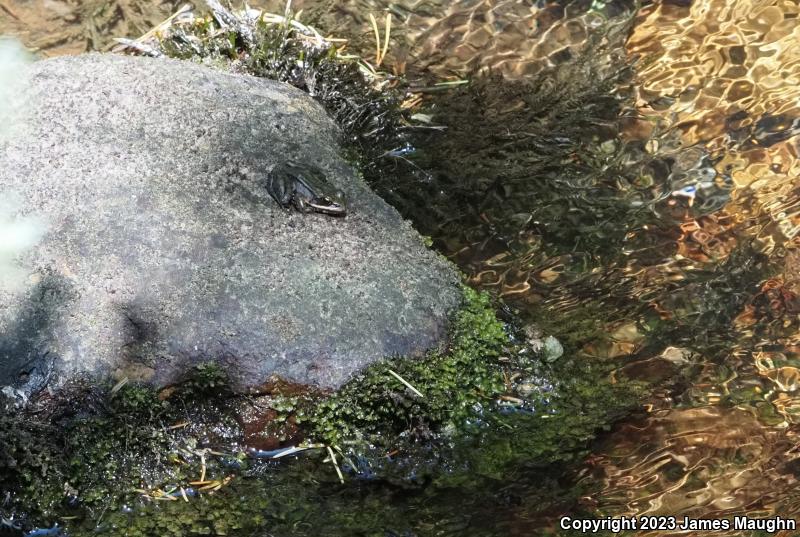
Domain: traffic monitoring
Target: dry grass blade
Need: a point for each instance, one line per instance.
(130, 44)
(7, 9)
(332, 456)
(203, 466)
(180, 425)
(345, 457)
(407, 384)
(381, 50)
(386, 42)
(289, 451)
(211, 485)
(377, 39)
(166, 22)
(118, 386)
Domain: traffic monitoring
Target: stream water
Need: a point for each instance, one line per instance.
(668, 247)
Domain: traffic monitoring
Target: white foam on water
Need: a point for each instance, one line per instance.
(14, 59)
(17, 233)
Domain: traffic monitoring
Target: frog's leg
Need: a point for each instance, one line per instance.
(300, 204)
(279, 190)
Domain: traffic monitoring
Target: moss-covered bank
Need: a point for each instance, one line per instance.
(121, 460)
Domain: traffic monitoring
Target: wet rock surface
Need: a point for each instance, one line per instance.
(163, 248)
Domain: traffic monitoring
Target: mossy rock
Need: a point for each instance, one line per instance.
(112, 448)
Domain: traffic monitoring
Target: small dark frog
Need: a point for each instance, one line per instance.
(305, 188)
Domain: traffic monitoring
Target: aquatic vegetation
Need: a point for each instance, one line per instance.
(172, 462)
(450, 383)
(527, 158)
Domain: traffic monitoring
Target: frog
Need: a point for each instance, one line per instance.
(305, 188)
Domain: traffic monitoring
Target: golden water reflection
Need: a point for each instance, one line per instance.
(716, 107)
(722, 75)
(699, 462)
(59, 27)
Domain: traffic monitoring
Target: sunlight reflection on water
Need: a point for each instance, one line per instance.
(716, 112)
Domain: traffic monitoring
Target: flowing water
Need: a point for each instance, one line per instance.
(663, 239)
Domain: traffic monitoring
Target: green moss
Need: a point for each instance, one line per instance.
(378, 404)
(459, 412)
(206, 379)
(136, 400)
(27, 458)
(99, 445)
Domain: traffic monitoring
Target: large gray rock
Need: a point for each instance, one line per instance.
(163, 249)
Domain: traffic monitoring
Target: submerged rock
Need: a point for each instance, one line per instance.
(164, 249)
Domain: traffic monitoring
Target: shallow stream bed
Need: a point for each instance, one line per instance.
(624, 178)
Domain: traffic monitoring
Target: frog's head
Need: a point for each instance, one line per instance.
(331, 202)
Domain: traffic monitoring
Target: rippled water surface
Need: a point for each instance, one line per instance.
(666, 243)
